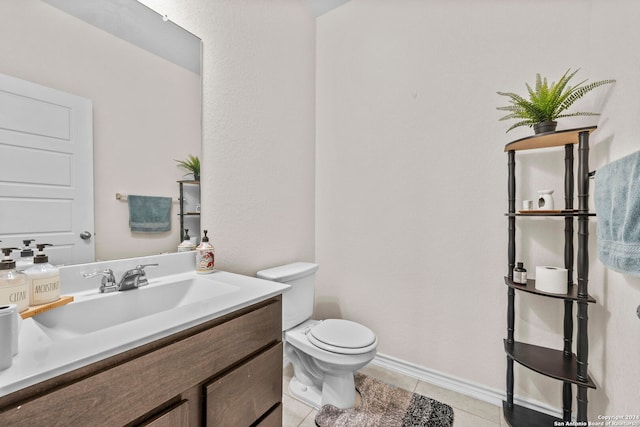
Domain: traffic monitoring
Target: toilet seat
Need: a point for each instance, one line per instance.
(342, 336)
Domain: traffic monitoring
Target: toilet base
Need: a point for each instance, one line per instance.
(310, 395)
(339, 391)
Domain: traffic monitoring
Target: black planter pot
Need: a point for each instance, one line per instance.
(544, 127)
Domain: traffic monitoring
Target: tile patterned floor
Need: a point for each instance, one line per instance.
(468, 412)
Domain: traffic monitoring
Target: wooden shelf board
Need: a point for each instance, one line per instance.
(547, 361)
(530, 287)
(550, 139)
(519, 416)
(37, 309)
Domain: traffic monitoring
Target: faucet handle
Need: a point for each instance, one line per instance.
(107, 273)
(108, 283)
(142, 276)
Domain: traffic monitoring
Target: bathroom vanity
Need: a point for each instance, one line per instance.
(216, 362)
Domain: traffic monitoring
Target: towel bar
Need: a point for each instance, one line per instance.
(124, 197)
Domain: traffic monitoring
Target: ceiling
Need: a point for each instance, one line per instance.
(319, 7)
(136, 23)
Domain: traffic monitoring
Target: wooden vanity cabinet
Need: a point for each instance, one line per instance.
(225, 372)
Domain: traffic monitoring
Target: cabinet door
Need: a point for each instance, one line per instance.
(177, 416)
(274, 419)
(243, 395)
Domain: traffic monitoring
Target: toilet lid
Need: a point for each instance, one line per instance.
(342, 336)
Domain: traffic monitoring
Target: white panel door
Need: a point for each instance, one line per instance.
(46, 170)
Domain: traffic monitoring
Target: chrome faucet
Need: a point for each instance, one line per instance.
(131, 279)
(134, 278)
(108, 283)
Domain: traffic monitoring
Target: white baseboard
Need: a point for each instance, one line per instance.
(458, 385)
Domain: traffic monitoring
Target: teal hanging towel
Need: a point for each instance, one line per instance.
(149, 214)
(617, 203)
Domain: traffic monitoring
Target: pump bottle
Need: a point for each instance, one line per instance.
(186, 245)
(205, 258)
(26, 256)
(43, 279)
(13, 285)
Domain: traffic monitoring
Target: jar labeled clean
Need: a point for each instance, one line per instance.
(13, 284)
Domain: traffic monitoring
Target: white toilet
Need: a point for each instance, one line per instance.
(324, 353)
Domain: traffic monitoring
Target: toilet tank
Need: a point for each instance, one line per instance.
(297, 301)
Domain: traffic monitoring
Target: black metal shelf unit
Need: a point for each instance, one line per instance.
(182, 212)
(563, 365)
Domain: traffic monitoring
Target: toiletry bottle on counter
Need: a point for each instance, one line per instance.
(205, 257)
(13, 285)
(520, 274)
(186, 245)
(8, 334)
(26, 256)
(43, 279)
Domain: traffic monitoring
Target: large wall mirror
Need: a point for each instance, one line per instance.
(141, 73)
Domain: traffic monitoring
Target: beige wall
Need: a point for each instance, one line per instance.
(146, 112)
(411, 181)
(258, 127)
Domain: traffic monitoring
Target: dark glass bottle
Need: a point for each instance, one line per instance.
(520, 274)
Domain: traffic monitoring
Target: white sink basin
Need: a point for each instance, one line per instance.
(94, 312)
(97, 326)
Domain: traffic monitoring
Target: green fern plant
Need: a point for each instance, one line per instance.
(547, 102)
(191, 165)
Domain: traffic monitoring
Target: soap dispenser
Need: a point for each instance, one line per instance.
(43, 279)
(186, 245)
(26, 256)
(205, 258)
(13, 285)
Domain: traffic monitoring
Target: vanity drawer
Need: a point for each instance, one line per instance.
(177, 416)
(274, 419)
(242, 396)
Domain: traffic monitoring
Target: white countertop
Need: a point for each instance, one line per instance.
(43, 355)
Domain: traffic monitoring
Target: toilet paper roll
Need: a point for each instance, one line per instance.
(8, 334)
(551, 279)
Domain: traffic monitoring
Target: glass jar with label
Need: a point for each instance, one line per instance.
(520, 274)
(43, 279)
(13, 284)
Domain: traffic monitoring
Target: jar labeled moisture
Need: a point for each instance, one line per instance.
(43, 279)
(44, 289)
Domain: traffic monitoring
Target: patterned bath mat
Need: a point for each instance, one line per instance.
(384, 405)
